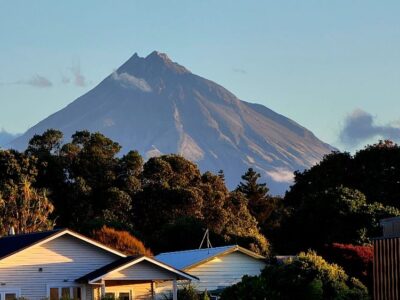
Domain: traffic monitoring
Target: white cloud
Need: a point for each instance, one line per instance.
(128, 80)
(36, 81)
(281, 175)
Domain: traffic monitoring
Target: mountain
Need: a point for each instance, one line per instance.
(157, 106)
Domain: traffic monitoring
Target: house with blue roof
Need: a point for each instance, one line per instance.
(62, 264)
(216, 268)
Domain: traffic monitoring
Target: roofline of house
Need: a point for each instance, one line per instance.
(61, 232)
(232, 249)
(154, 261)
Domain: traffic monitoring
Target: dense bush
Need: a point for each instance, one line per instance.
(338, 214)
(120, 240)
(307, 276)
(188, 292)
(356, 260)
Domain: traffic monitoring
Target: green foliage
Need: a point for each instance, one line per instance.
(24, 208)
(334, 215)
(166, 202)
(374, 171)
(307, 276)
(356, 260)
(257, 196)
(189, 292)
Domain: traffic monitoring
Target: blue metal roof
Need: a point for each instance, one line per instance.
(187, 258)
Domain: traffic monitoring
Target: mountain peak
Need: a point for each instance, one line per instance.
(156, 106)
(158, 55)
(155, 61)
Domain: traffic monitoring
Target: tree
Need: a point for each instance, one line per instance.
(24, 208)
(339, 215)
(242, 226)
(91, 174)
(120, 240)
(175, 196)
(259, 203)
(15, 165)
(374, 171)
(45, 144)
(307, 276)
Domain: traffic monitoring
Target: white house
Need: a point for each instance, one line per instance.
(62, 263)
(216, 268)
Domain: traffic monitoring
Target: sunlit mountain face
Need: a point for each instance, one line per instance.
(157, 106)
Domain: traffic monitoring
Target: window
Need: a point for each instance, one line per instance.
(124, 296)
(110, 295)
(9, 294)
(64, 292)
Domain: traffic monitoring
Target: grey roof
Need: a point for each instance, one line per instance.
(188, 258)
(14, 243)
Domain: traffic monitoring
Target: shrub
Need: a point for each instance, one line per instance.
(308, 276)
(120, 240)
(355, 260)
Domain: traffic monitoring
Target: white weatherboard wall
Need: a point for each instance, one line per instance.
(219, 272)
(225, 270)
(62, 260)
(141, 271)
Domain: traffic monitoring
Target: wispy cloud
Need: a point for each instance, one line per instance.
(281, 175)
(360, 127)
(79, 79)
(36, 81)
(128, 80)
(239, 70)
(65, 80)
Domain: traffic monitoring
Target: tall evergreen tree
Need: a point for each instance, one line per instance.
(260, 204)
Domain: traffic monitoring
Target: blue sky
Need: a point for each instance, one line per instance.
(332, 66)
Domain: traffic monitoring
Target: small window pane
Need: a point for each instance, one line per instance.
(10, 296)
(77, 293)
(65, 293)
(123, 296)
(110, 295)
(54, 294)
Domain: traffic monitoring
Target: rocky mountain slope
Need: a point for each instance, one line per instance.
(157, 106)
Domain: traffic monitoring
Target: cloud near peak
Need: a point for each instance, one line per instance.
(128, 80)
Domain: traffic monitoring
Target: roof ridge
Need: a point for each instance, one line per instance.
(32, 233)
(192, 250)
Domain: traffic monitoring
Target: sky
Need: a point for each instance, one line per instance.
(332, 66)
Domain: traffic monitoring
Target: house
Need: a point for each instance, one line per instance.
(216, 268)
(386, 263)
(64, 264)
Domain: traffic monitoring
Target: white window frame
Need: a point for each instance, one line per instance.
(3, 291)
(128, 291)
(61, 285)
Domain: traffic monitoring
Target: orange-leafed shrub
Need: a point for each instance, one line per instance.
(120, 240)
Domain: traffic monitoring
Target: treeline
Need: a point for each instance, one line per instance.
(166, 202)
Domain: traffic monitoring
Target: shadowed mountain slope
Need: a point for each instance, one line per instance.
(157, 106)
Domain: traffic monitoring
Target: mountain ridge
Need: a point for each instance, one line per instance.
(157, 106)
